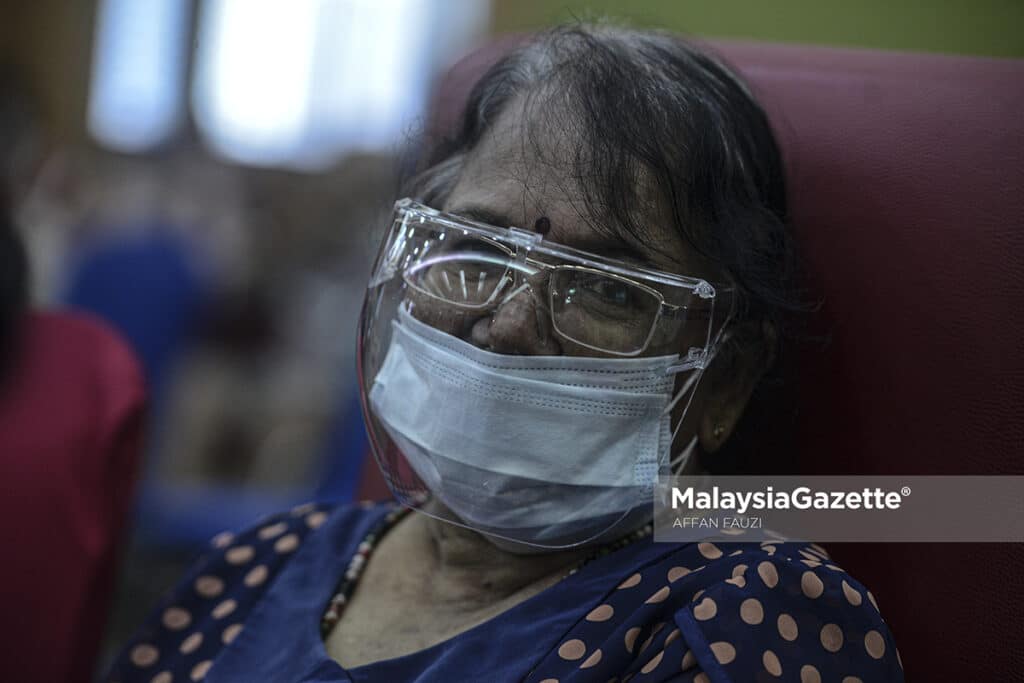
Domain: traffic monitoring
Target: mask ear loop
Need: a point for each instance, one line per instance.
(679, 460)
(691, 383)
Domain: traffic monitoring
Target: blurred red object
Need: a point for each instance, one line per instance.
(71, 424)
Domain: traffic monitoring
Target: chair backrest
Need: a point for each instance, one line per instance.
(906, 174)
(71, 424)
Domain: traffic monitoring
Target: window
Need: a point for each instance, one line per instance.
(137, 72)
(294, 83)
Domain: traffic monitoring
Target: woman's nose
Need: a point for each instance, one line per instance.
(520, 325)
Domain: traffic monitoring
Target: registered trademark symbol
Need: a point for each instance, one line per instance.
(905, 490)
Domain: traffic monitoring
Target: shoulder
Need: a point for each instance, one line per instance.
(76, 371)
(83, 342)
(743, 612)
(781, 608)
(207, 609)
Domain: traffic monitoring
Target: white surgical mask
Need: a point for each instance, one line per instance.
(543, 450)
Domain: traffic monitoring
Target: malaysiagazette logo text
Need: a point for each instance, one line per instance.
(800, 498)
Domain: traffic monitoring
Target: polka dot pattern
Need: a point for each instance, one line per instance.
(811, 585)
(230, 633)
(256, 576)
(771, 663)
(751, 611)
(630, 638)
(176, 618)
(200, 670)
(633, 580)
(287, 544)
(705, 609)
(787, 627)
(144, 655)
(769, 575)
(724, 652)
(191, 643)
(601, 613)
(592, 661)
(798, 611)
(851, 594)
(771, 611)
(831, 637)
(184, 637)
(650, 638)
(821, 552)
(659, 595)
(653, 664)
(738, 581)
(209, 586)
(809, 674)
(272, 530)
(224, 609)
(572, 649)
(677, 573)
(222, 540)
(874, 644)
(239, 554)
(709, 550)
(315, 520)
(304, 509)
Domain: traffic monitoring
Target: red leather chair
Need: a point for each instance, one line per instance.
(71, 417)
(906, 175)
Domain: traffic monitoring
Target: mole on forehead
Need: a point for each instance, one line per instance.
(566, 226)
(504, 186)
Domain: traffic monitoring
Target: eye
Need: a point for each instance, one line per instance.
(607, 291)
(462, 270)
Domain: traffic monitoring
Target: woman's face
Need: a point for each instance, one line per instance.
(508, 183)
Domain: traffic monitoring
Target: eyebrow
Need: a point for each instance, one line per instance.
(620, 250)
(482, 214)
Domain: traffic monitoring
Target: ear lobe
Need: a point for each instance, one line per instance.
(733, 375)
(716, 426)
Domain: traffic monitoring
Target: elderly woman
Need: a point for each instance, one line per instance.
(606, 229)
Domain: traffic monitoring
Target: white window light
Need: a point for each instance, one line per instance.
(251, 93)
(137, 72)
(299, 83)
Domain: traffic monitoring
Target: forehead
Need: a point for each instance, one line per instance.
(525, 170)
(529, 165)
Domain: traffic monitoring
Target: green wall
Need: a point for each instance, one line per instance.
(980, 27)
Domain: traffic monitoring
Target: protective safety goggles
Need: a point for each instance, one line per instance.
(600, 304)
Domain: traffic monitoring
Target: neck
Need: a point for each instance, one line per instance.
(465, 566)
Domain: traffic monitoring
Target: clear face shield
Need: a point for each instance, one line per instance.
(542, 451)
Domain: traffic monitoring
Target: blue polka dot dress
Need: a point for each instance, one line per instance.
(649, 613)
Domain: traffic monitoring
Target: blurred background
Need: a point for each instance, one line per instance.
(210, 176)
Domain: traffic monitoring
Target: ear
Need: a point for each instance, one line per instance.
(744, 358)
